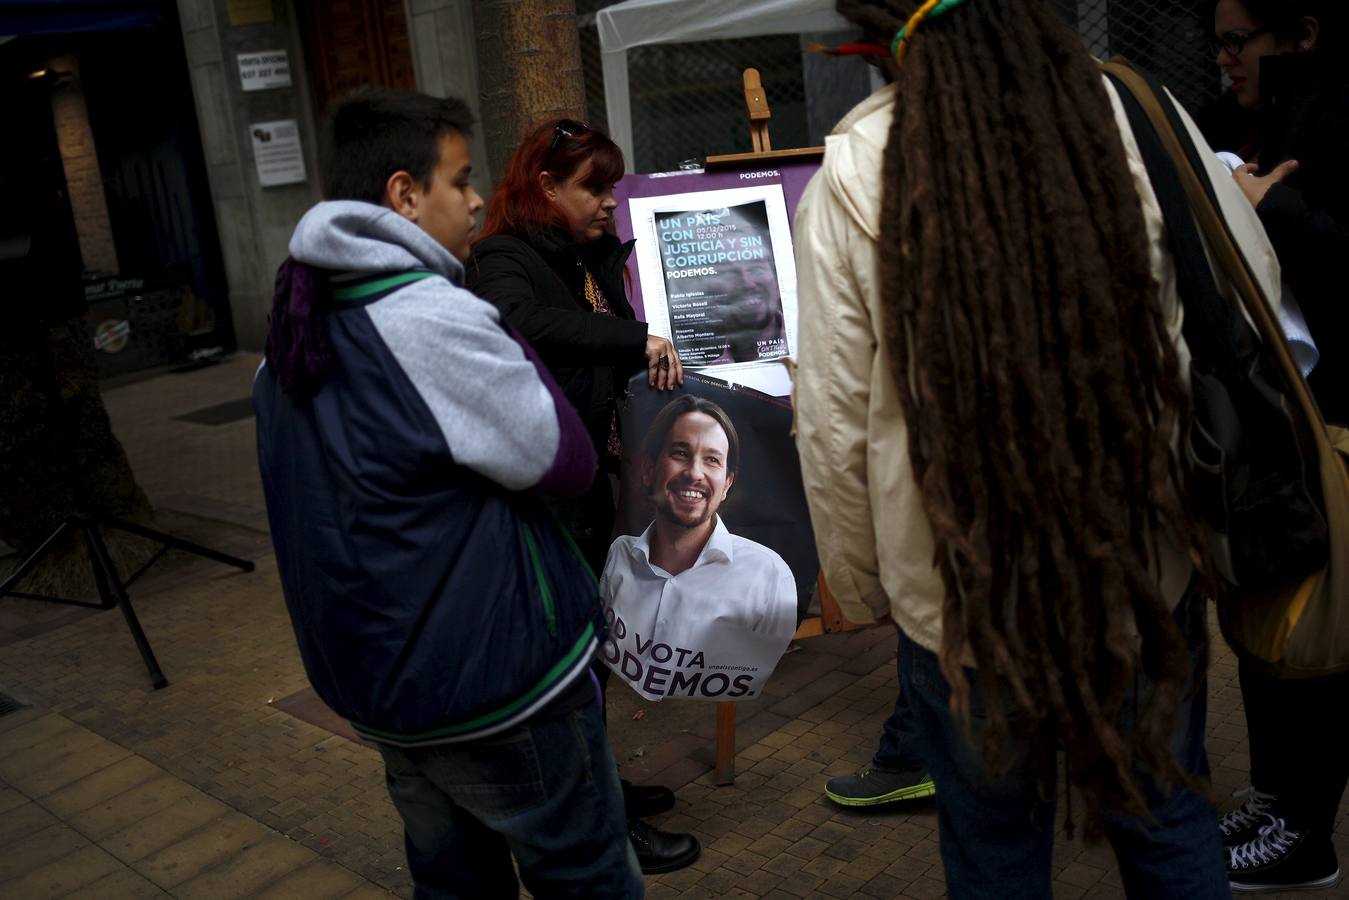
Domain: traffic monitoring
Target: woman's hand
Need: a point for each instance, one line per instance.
(1254, 186)
(664, 372)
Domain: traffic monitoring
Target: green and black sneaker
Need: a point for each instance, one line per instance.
(872, 786)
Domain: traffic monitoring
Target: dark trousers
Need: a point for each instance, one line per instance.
(997, 833)
(898, 750)
(545, 792)
(1294, 755)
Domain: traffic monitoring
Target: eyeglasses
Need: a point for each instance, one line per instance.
(567, 128)
(1233, 41)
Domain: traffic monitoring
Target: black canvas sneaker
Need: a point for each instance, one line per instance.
(1243, 823)
(1280, 859)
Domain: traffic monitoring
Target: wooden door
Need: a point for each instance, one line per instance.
(355, 43)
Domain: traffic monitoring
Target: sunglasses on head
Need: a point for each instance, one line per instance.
(567, 128)
(1233, 41)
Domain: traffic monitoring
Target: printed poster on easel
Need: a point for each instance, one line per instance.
(716, 271)
(714, 564)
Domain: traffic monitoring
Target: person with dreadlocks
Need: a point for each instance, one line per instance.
(992, 382)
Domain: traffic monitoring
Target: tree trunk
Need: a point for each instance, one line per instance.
(58, 454)
(529, 65)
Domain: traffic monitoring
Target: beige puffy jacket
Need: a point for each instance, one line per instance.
(875, 544)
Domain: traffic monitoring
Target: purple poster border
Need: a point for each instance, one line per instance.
(793, 175)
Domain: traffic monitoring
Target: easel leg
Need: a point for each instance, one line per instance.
(178, 543)
(113, 594)
(36, 557)
(724, 772)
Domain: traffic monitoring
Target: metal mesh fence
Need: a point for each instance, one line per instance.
(1166, 37)
(687, 99)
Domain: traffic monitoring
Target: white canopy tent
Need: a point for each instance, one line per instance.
(637, 23)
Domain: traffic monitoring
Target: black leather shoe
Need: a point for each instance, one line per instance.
(661, 851)
(644, 800)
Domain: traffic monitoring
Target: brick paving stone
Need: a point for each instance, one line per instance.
(715, 884)
(24, 820)
(40, 847)
(808, 848)
(367, 892)
(784, 864)
(11, 799)
(868, 866)
(42, 729)
(164, 828)
(770, 845)
(97, 787)
(804, 885)
(43, 755)
(76, 871)
(745, 862)
(907, 868)
(130, 807)
(124, 884)
(199, 850)
(824, 866)
(681, 880)
(884, 886)
(925, 888)
(841, 884)
(245, 874)
(793, 830)
(709, 859)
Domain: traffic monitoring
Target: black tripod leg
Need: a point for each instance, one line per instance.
(27, 565)
(114, 594)
(178, 543)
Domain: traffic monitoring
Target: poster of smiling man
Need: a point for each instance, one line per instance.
(704, 592)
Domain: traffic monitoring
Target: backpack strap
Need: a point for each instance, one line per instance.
(360, 288)
(1218, 342)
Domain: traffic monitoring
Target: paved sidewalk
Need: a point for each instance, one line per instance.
(235, 782)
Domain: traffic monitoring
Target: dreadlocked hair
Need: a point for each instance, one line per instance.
(1040, 389)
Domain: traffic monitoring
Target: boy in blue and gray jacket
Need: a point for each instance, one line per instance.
(404, 438)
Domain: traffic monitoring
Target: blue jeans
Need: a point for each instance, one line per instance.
(546, 791)
(997, 834)
(898, 750)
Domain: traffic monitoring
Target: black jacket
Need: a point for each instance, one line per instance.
(539, 285)
(1304, 113)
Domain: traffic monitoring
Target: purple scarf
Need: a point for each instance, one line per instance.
(298, 352)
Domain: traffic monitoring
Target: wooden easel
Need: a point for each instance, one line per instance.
(756, 108)
(831, 618)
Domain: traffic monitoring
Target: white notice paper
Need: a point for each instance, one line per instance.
(264, 69)
(277, 152)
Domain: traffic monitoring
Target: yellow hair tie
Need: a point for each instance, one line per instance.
(900, 46)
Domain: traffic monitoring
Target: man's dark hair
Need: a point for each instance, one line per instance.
(373, 133)
(682, 406)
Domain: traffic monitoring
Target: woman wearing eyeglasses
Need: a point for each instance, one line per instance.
(549, 261)
(1280, 57)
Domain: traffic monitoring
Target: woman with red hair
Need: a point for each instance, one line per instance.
(548, 259)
